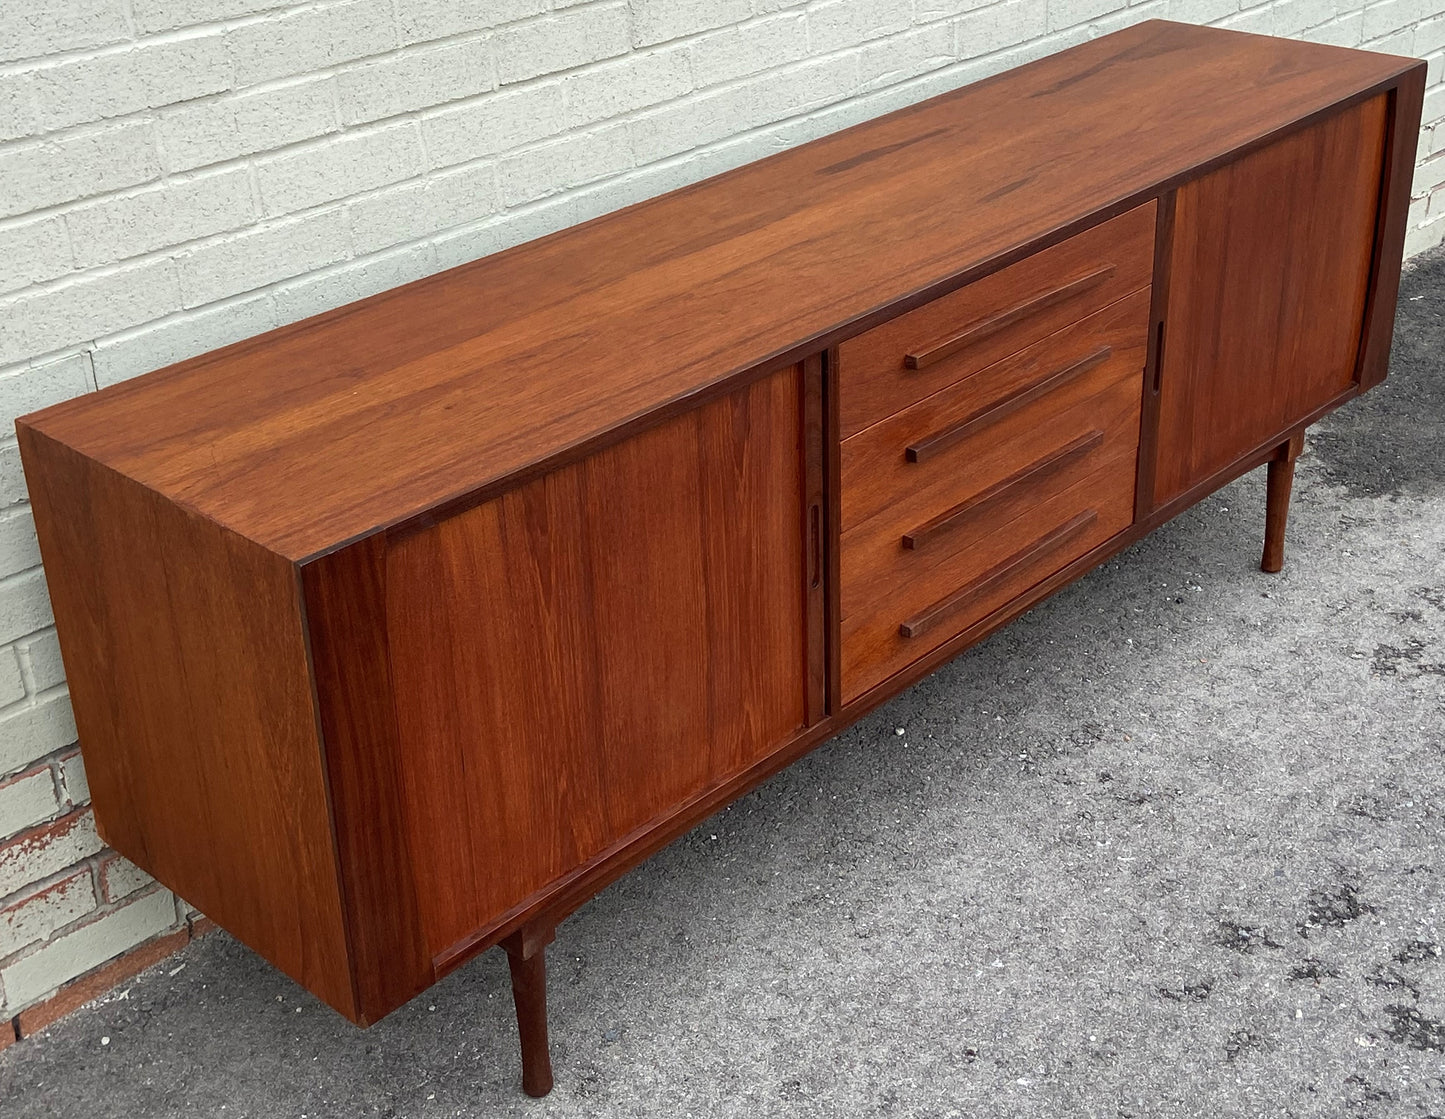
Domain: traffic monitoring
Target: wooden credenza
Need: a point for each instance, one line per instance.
(398, 633)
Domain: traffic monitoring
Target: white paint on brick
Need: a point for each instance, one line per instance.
(321, 291)
(416, 79)
(1393, 15)
(263, 255)
(657, 21)
(33, 251)
(240, 125)
(40, 662)
(18, 546)
(165, 15)
(927, 11)
(1341, 32)
(29, 30)
(1434, 105)
(95, 303)
(459, 246)
(12, 680)
(73, 783)
(1001, 25)
(421, 20)
(38, 386)
(17, 116)
(40, 173)
(114, 83)
(421, 208)
(750, 48)
(1068, 13)
(560, 41)
(24, 607)
(635, 82)
(29, 731)
(904, 56)
(121, 356)
(1430, 36)
(25, 801)
(1297, 16)
(12, 475)
(493, 124)
(581, 157)
(119, 877)
(310, 38)
(715, 115)
(38, 914)
(35, 974)
(840, 24)
(1398, 42)
(160, 217)
(351, 164)
(46, 850)
(1201, 11)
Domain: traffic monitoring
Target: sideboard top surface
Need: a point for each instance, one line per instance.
(324, 431)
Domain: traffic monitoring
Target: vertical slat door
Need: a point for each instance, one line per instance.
(584, 654)
(1270, 266)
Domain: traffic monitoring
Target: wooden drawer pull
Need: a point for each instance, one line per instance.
(932, 444)
(979, 502)
(920, 624)
(1005, 319)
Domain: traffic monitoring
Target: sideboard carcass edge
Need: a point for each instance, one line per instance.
(443, 710)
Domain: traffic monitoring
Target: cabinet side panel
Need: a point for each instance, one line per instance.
(186, 660)
(1404, 134)
(346, 618)
(1269, 270)
(580, 656)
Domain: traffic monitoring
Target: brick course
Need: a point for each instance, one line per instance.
(176, 175)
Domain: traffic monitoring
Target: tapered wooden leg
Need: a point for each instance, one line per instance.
(1276, 503)
(527, 955)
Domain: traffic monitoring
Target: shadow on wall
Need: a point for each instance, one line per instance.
(1391, 442)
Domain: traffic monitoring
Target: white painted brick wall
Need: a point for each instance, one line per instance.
(176, 175)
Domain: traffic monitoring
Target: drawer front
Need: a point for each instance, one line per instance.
(1015, 474)
(911, 357)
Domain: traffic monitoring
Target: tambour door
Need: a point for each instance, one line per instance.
(581, 655)
(1270, 265)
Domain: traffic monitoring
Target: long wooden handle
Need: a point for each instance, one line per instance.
(921, 623)
(994, 323)
(981, 502)
(930, 445)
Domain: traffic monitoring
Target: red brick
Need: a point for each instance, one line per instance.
(45, 850)
(119, 878)
(9, 1033)
(34, 917)
(27, 798)
(200, 925)
(78, 992)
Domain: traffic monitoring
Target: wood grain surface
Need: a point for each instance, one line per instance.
(986, 554)
(1268, 281)
(970, 329)
(185, 655)
(345, 595)
(553, 348)
(881, 486)
(584, 654)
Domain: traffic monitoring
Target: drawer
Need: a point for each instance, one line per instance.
(911, 357)
(941, 450)
(1041, 470)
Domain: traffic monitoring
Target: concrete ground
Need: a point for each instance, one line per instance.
(1173, 844)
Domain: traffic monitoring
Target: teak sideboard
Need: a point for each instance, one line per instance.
(400, 632)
